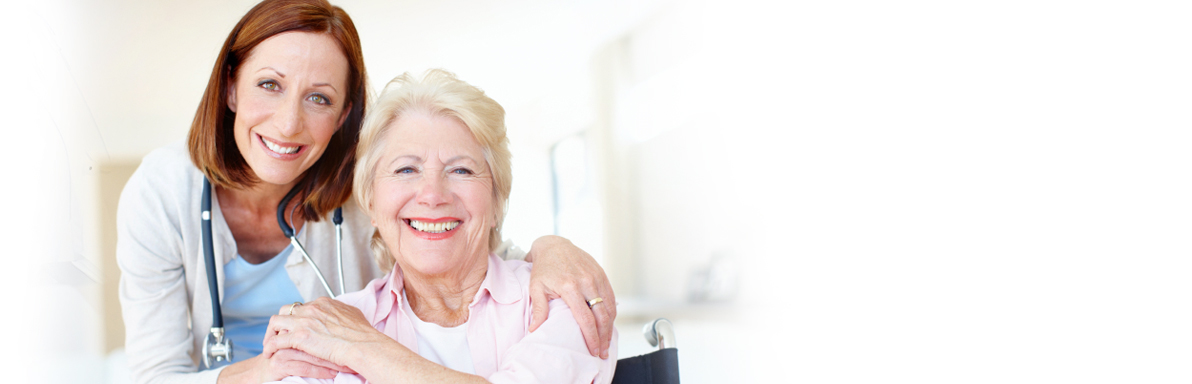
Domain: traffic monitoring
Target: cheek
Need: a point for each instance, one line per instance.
(388, 200)
(323, 127)
(480, 202)
(250, 107)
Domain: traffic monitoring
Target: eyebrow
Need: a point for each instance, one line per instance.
(419, 159)
(328, 85)
(395, 159)
(282, 75)
(274, 71)
(457, 158)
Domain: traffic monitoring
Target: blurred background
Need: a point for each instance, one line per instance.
(824, 192)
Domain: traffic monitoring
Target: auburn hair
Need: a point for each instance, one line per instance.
(212, 143)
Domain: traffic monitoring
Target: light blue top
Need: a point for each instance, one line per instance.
(253, 293)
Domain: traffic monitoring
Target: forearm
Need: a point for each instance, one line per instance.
(385, 361)
(243, 372)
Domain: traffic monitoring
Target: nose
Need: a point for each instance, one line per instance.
(288, 117)
(432, 191)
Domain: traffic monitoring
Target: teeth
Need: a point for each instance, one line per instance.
(434, 227)
(278, 148)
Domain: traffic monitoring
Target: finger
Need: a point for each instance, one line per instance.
(587, 322)
(593, 289)
(288, 362)
(268, 350)
(297, 355)
(279, 324)
(304, 369)
(289, 309)
(328, 364)
(280, 342)
(540, 306)
(607, 322)
(604, 323)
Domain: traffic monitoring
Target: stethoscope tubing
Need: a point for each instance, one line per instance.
(223, 347)
(216, 347)
(209, 257)
(287, 230)
(338, 219)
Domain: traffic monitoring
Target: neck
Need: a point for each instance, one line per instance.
(261, 197)
(444, 299)
(260, 201)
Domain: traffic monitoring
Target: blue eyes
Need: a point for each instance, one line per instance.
(410, 170)
(273, 86)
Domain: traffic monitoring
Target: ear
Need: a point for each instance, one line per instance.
(342, 116)
(232, 95)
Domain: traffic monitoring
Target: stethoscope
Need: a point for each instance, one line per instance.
(217, 347)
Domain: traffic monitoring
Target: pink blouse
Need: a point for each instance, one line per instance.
(503, 351)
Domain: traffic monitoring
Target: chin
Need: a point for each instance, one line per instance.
(276, 176)
(434, 262)
(279, 180)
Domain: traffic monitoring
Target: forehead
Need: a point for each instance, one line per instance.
(313, 54)
(418, 132)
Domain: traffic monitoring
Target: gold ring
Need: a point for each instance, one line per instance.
(296, 303)
(593, 302)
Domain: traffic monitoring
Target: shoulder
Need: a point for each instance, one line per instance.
(170, 159)
(166, 181)
(508, 281)
(510, 270)
(370, 298)
(518, 269)
(355, 217)
(166, 171)
(367, 295)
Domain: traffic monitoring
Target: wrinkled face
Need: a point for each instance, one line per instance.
(433, 195)
(289, 98)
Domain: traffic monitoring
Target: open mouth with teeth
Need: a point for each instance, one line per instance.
(440, 227)
(275, 147)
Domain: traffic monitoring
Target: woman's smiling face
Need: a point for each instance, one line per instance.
(289, 98)
(433, 201)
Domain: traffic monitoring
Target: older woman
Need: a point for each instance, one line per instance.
(281, 112)
(434, 175)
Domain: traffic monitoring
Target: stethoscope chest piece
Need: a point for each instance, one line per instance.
(217, 349)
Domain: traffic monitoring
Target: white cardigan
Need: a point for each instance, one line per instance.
(163, 282)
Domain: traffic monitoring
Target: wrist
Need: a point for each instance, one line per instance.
(243, 372)
(362, 352)
(257, 371)
(378, 357)
(544, 243)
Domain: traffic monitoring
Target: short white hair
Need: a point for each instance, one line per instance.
(437, 93)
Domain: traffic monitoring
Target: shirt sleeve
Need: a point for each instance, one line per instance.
(555, 353)
(153, 296)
